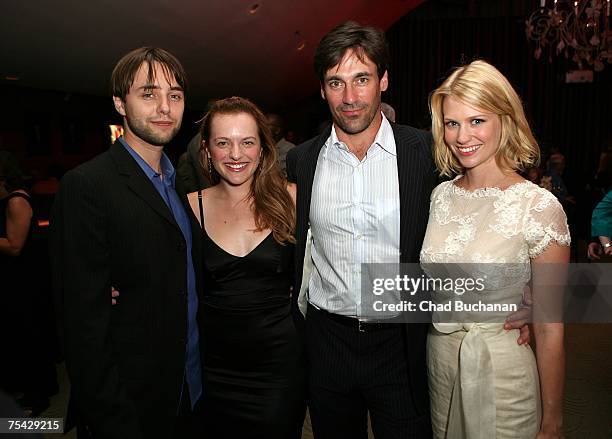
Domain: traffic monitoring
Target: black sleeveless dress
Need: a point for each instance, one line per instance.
(26, 318)
(16, 310)
(252, 355)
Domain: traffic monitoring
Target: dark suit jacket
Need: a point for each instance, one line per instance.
(417, 178)
(110, 227)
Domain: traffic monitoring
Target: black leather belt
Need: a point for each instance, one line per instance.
(352, 322)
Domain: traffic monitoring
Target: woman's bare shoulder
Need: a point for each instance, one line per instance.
(192, 196)
(19, 202)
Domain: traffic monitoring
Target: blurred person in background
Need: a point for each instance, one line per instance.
(601, 224)
(598, 189)
(553, 179)
(283, 146)
(388, 111)
(534, 175)
(188, 168)
(26, 369)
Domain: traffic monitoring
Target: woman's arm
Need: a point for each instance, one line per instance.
(292, 189)
(18, 217)
(606, 244)
(194, 204)
(601, 222)
(548, 330)
(192, 198)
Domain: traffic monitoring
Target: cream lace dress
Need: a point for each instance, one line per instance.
(482, 383)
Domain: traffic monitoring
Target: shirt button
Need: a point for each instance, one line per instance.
(359, 236)
(180, 247)
(182, 293)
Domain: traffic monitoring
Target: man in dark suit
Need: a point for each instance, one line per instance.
(363, 189)
(118, 222)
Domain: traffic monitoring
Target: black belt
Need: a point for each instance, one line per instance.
(352, 322)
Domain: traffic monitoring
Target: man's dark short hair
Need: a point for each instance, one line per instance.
(125, 71)
(363, 40)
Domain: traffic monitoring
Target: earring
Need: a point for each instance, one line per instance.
(210, 166)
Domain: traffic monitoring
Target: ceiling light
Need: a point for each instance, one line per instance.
(254, 9)
(579, 29)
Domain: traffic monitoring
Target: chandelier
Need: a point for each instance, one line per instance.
(579, 29)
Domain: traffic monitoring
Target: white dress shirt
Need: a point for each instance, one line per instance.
(354, 219)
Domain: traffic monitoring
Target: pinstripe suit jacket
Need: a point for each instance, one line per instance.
(110, 227)
(417, 178)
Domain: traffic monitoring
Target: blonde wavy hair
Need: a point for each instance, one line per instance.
(272, 205)
(482, 86)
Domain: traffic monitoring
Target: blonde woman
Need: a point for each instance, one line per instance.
(482, 383)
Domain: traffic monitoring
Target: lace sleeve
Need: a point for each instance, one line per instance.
(544, 222)
(435, 193)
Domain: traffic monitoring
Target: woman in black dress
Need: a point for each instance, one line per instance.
(252, 355)
(15, 275)
(27, 368)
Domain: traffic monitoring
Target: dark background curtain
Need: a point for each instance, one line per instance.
(441, 34)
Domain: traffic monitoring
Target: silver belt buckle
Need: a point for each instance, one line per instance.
(361, 329)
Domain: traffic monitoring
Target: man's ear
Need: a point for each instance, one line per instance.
(323, 93)
(384, 81)
(119, 105)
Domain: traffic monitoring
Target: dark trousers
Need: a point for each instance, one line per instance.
(353, 372)
(188, 423)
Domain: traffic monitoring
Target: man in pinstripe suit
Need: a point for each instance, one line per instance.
(117, 221)
(363, 196)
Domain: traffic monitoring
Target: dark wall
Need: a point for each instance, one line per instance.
(44, 127)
